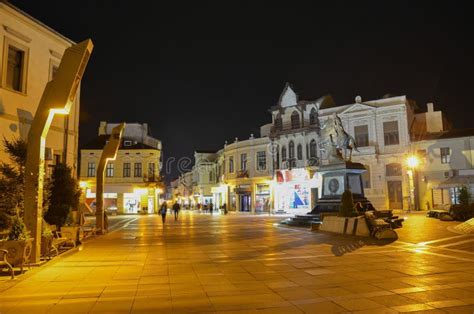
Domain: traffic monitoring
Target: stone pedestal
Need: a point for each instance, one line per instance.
(336, 179)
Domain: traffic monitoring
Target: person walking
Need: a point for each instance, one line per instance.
(176, 209)
(224, 208)
(211, 207)
(163, 210)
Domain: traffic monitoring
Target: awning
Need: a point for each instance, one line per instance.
(457, 181)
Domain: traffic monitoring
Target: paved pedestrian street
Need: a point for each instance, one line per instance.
(248, 264)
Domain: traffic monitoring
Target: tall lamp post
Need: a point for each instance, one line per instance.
(108, 153)
(412, 163)
(58, 97)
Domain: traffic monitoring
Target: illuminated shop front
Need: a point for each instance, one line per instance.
(262, 198)
(295, 191)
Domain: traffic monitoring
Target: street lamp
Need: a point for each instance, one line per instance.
(413, 162)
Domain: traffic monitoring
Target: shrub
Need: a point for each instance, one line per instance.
(346, 209)
(12, 182)
(63, 195)
(18, 230)
(461, 212)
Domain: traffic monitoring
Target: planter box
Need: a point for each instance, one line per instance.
(18, 252)
(46, 245)
(346, 225)
(72, 233)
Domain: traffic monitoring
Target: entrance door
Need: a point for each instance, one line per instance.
(395, 197)
(245, 202)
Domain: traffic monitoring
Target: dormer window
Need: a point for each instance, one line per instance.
(295, 120)
(127, 143)
(313, 117)
(278, 122)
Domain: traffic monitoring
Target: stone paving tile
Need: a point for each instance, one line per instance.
(231, 265)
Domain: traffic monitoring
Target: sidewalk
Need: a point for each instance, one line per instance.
(214, 264)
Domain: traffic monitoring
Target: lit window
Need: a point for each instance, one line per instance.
(445, 153)
(126, 169)
(390, 133)
(127, 143)
(243, 162)
(91, 169)
(109, 170)
(361, 134)
(231, 164)
(261, 160)
(137, 169)
(151, 170)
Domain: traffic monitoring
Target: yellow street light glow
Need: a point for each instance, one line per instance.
(413, 162)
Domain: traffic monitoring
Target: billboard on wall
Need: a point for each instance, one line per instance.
(291, 175)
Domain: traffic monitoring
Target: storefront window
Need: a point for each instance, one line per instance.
(262, 198)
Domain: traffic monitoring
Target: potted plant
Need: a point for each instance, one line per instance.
(46, 239)
(18, 244)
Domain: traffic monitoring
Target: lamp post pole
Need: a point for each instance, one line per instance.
(108, 153)
(413, 163)
(58, 97)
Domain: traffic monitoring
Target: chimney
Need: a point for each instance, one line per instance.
(429, 107)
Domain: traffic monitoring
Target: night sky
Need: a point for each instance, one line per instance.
(206, 72)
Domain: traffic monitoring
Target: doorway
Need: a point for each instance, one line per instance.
(245, 202)
(395, 197)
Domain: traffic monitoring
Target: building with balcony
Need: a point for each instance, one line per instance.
(29, 57)
(132, 181)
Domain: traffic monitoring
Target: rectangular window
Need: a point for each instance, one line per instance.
(127, 143)
(137, 169)
(91, 169)
(126, 169)
(361, 135)
(231, 164)
(15, 69)
(261, 160)
(151, 170)
(109, 170)
(445, 153)
(243, 162)
(390, 133)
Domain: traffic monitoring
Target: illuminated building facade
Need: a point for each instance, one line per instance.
(30, 53)
(132, 182)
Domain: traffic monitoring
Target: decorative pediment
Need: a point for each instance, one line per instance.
(356, 108)
(288, 97)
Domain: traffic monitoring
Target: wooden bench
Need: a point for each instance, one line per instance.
(88, 230)
(4, 263)
(379, 227)
(58, 241)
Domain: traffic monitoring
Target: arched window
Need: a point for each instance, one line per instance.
(295, 120)
(299, 152)
(313, 117)
(291, 149)
(283, 153)
(312, 149)
(278, 122)
(393, 170)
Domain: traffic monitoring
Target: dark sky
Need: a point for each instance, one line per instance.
(200, 73)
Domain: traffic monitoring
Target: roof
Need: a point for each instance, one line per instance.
(38, 22)
(457, 181)
(205, 151)
(448, 134)
(100, 141)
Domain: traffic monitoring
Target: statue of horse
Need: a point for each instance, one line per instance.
(332, 131)
(344, 140)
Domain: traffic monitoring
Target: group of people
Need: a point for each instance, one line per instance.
(164, 210)
(210, 207)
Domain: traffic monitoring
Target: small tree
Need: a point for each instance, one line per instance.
(346, 209)
(63, 195)
(12, 182)
(464, 196)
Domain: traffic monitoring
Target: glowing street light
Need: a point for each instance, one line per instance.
(58, 97)
(413, 162)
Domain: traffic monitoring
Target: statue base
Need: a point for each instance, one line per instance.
(336, 179)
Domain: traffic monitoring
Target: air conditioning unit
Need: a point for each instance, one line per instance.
(48, 154)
